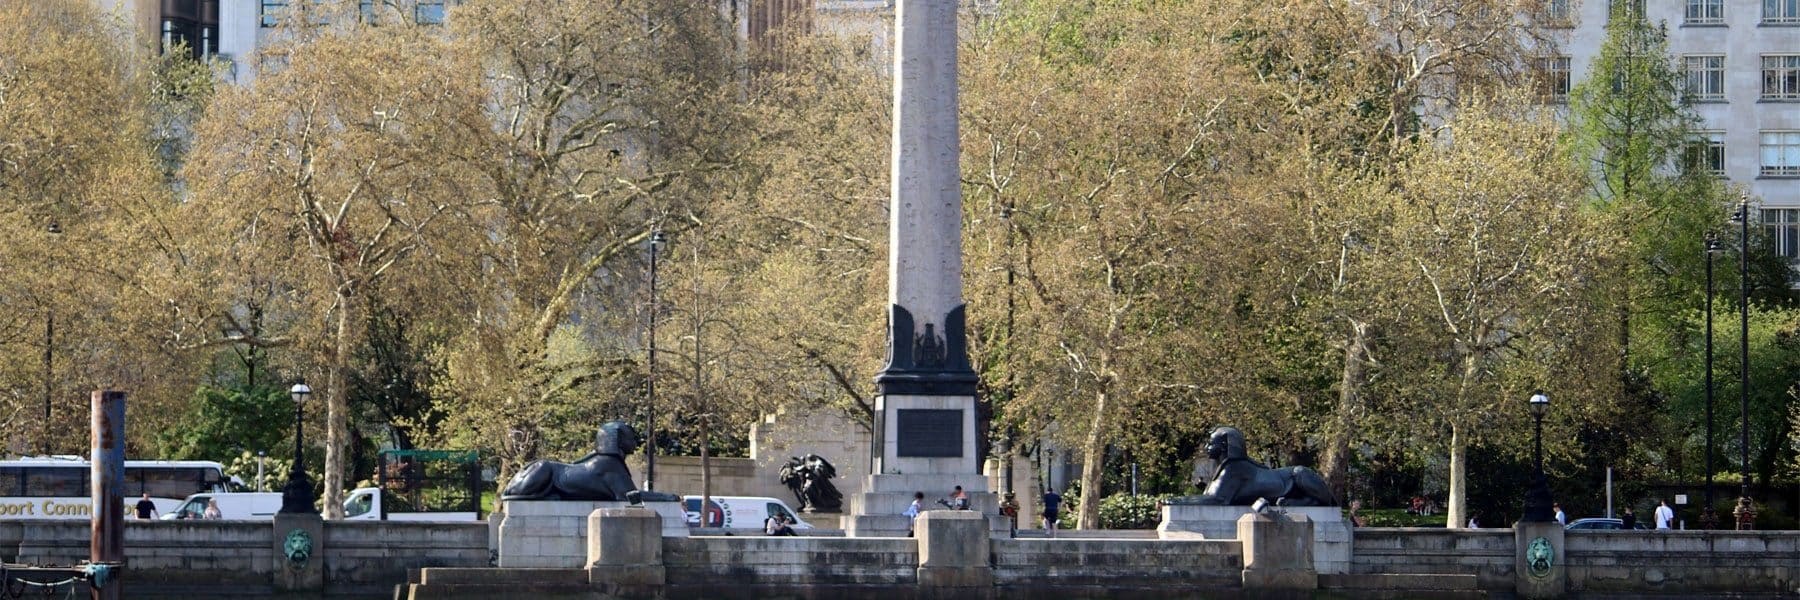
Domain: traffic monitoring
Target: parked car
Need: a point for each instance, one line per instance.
(1600, 523)
(739, 512)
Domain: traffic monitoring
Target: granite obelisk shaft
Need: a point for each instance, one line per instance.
(927, 375)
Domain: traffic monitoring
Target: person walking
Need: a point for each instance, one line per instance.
(1665, 516)
(912, 512)
(1052, 501)
(1561, 519)
(146, 509)
(1629, 520)
(212, 510)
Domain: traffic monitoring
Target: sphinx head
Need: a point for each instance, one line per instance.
(1226, 443)
(617, 437)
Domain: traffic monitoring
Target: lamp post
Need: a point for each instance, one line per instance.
(54, 229)
(296, 496)
(1709, 519)
(1538, 500)
(656, 242)
(1745, 511)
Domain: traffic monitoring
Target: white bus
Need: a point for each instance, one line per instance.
(59, 487)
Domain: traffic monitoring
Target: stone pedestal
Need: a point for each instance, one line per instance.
(1539, 570)
(1332, 536)
(553, 534)
(954, 551)
(1278, 552)
(624, 547)
(299, 552)
(881, 511)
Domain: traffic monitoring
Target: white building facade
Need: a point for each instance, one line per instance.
(1742, 59)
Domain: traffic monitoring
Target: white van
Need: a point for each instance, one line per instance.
(738, 512)
(253, 506)
(369, 504)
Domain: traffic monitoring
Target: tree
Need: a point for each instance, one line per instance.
(330, 175)
(605, 121)
(1099, 141)
(1499, 253)
(80, 202)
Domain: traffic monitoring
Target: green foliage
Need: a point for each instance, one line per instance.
(1125, 511)
(1398, 517)
(220, 423)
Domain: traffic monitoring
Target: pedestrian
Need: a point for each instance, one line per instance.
(1561, 519)
(1473, 524)
(1355, 519)
(145, 508)
(1629, 521)
(912, 512)
(212, 509)
(1009, 508)
(777, 525)
(959, 500)
(1665, 516)
(1052, 501)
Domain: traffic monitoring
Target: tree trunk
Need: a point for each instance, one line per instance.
(1457, 513)
(336, 412)
(705, 476)
(1343, 429)
(1093, 454)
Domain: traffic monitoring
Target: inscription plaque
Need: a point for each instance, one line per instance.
(935, 433)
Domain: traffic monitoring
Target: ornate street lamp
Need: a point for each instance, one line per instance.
(656, 242)
(1709, 519)
(1745, 511)
(296, 496)
(1538, 500)
(54, 229)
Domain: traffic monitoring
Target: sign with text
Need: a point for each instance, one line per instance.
(931, 433)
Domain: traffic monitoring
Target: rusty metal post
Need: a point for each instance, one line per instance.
(107, 544)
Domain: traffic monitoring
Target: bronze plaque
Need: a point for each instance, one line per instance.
(931, 433)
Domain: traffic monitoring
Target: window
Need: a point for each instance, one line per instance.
(1781, 76)
(429, 12)
(273, 11)
(1781, 11)
(1783, 227)
(1553, 78)
(1705, 12)
(1558, 12)
(56, 481)
(1617, 9)
(1780, 153)
(1705, 77)
(1708, 151)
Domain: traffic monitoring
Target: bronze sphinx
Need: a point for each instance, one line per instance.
(1239, 481)
(599, 476)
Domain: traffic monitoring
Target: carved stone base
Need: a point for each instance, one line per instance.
(881, 511)
(553, 533)
(1332, 535)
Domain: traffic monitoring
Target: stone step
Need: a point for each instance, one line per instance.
(1393, 581)
(890, 503)
(1089, 534)
(934, 485)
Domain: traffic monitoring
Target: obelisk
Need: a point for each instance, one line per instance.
(925, 423)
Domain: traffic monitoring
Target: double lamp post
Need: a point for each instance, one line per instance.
(1746, 510)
